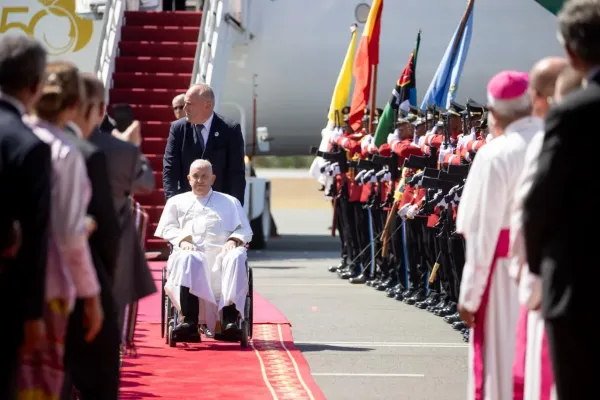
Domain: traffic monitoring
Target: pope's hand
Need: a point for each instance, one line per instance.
(335, 135)
(187, 246)
(230, 245)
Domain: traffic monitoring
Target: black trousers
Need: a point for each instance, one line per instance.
(179, 5)
(416, 251)
(456, 245)
(190, 306)
(573, 342)
(93, 368)
(11, 333)
(397, 247)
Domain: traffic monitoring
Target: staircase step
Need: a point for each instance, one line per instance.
(160, 33)
(154, 212)
(156, 244)
(156, 114)
(144, 96)
(145, 80)
(158, 179)
(156, 161)
(155, 129)
(163, 18)
(154, 64)
(154, 145)
(156, 198)
(157, 49)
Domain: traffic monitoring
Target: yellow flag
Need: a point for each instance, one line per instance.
(341, 93)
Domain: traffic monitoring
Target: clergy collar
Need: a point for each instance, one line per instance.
(16, 103)
(210, 192)
(524, 123)
(72, 126)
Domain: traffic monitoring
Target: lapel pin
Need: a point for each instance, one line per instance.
(216, 133)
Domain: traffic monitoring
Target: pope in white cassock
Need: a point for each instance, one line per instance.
(488, 300)
(207, 268)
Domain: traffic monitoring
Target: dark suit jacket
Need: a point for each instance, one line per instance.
(225, 151)
(104, 242)
(129, 173)
(560, 229)
(25, 183)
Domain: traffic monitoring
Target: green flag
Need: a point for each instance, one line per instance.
(553, 6)
(403, 95)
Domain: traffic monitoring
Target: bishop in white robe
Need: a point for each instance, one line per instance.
(207, 268)
(488, 295)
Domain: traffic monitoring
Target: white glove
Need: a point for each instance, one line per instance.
(473, 134)
(402, 212)
(373, 179)
(360, 175)
(364, 144)
(445, 149)
(393, 137)
(335, 135)
(412, 211)
(387, 177)
(421, 141)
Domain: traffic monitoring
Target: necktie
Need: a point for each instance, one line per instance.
(199, 128)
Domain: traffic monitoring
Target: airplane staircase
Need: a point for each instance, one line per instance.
(155, 61)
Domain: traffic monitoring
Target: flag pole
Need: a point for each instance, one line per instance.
(373, 93)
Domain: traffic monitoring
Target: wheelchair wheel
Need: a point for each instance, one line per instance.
(244, 335)
(171, 336)
(249, 309)
(168, 310)
(163, 311)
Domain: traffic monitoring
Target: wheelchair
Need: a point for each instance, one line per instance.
(170, 317)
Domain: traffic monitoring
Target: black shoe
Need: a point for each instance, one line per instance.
(433, 299)
(362, 278)
(417, 297)
(441, 304)
(466, 336)
(449, 310)
(452, 318)
(187, 332)
(335, 268)
(391, 292)
(459, 326)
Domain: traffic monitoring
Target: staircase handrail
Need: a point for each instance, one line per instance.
(112, 21)
(201, 35)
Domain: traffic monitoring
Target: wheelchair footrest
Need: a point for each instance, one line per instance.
(228, 337)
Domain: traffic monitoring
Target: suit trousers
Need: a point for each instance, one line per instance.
(179, 5)
(93, 368)
(190, 305)
(573, 342)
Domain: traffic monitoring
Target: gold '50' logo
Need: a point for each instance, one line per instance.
(55, 24)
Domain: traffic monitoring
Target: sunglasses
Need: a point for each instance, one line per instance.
(177, 108)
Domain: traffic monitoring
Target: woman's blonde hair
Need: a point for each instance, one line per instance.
(93, 92)
(62, 90)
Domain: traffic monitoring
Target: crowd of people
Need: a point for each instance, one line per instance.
(469, 212)
(72, 263)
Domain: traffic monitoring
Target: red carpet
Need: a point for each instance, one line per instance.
(271, 368)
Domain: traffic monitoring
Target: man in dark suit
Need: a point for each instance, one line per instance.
(560, 242)
(25, 179)
(93, 368)
(129, 173)
(203, 134)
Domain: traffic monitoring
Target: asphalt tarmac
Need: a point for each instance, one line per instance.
(359, 343)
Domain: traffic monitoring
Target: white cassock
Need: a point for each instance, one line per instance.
(533, 377)
(486, 288)
(216, 277)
